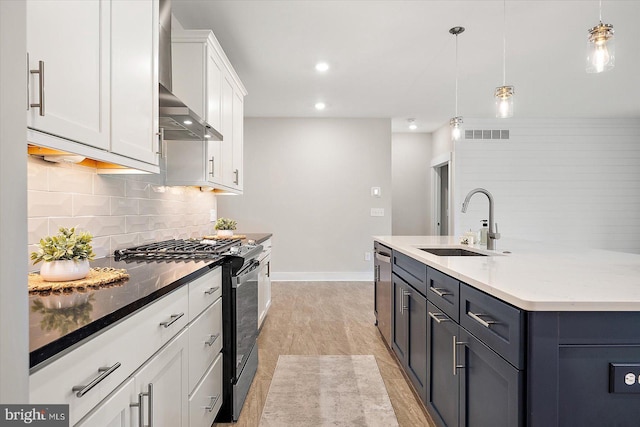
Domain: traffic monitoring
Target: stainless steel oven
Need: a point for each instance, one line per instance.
(240, 328)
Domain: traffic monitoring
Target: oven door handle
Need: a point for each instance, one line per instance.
(245, 275)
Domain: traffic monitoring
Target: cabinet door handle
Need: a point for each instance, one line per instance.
(477, 318)
(439, 291)
(81, 390)
(213, 170)
(212, 403)
(211, 290)
(405, 294)
(455, 355)
(437, 319)
(269, 269)
(376, 273)
(212, 339)
(161, 150)
(174, 318)
(237, 174)
(139, 405)
(40, 72)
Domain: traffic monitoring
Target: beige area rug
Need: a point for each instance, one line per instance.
(309, 391)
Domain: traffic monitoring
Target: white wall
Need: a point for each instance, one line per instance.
(14, 315)
(308, 181)
(411, 183)
(118, 210)
(570, 181)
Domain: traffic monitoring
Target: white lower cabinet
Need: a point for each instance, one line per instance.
(163, 384)
(206, 400)
(264, 282)
(115, 410)
(158, 364)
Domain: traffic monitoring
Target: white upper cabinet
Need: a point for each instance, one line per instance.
(93, 80)
(134, 79)
(205, 81)
(71, 41)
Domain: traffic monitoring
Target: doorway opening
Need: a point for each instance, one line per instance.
(441, 193)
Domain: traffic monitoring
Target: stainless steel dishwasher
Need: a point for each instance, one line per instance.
(382, 289)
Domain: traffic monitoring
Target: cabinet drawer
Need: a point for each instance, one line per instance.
(412, 271)
(496, 323)
(444, 292)
(129, 343)
(205, 341)
(203, 291)
(206, 400)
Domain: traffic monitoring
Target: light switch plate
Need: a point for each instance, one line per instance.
(376, 192)
(213, 215)
(377, 211)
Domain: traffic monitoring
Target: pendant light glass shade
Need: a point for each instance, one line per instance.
(504, 101)
(456, 128)
(600, 48)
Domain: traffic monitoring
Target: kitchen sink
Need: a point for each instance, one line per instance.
(451, 252)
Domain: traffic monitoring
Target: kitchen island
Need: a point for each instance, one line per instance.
(529, 334)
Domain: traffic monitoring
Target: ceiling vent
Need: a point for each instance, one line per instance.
(486, 134)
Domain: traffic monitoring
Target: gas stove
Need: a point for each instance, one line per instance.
(179, 250)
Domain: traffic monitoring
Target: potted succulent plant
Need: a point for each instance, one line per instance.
(66, 255)
(225, 227)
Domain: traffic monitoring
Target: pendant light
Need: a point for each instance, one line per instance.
(504, 94)
(456, 122)
(600, 47)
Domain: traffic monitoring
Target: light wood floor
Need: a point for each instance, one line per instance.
(321, 318)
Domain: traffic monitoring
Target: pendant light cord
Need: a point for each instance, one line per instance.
(504, 43)
(600, 11)
(456, 75)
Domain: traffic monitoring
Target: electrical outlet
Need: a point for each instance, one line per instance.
(377, 211)
(213, 215)
(367, 256)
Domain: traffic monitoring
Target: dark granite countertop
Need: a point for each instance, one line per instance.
(60, 321)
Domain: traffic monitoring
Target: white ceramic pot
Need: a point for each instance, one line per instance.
(64, 270)
(225, 233)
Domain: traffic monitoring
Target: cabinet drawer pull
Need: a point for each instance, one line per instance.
(476, 317)
(435, 317)
(81, 390)
(211, 290)
(439, 291)
(212, 403)
(212, 339)
(174, 318)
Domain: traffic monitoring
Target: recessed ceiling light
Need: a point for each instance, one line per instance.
(412, 124)
(187, 122)
(320, 105)
(322, 67)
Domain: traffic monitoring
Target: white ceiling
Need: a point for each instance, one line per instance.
(396, 59)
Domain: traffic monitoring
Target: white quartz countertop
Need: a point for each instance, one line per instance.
(536, 276)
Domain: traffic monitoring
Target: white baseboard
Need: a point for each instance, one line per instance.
(339, 276)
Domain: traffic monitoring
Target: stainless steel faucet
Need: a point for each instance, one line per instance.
(492, 235)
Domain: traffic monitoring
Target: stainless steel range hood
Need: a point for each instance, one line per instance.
(177, 120)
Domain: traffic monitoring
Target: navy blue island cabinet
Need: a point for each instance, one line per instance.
(477, 361)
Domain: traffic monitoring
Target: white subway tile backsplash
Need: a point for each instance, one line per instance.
(124, 206)
(46, 204)
(121, 212)
(136, 189)
(136, 223)
(101, 246)
(68, 180)
(108, 186)
(37, 228)
(84, 204)
(37, 175)
(121, 241)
